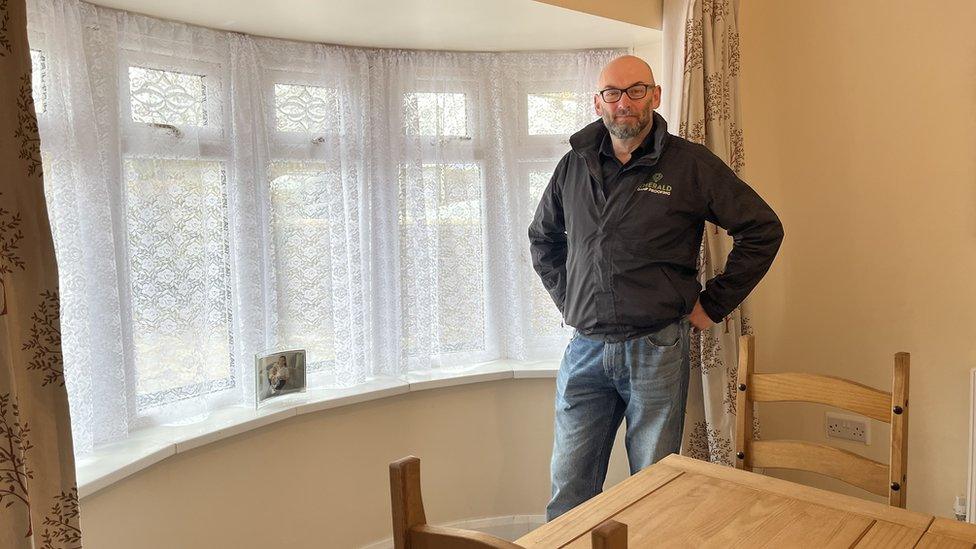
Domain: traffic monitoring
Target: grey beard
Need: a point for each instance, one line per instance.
(624, 131)
(621, 131)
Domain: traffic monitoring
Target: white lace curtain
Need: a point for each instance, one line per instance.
(214, 195)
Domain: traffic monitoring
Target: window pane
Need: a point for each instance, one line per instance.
(546, 319)
(167, 97)
(300, 217)
(558, 113)
(306, 108)
(39, 80)
(441, 114)
(178, 266)
(441, 254)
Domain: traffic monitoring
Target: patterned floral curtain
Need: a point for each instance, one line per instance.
(710, 115)
(38, 497)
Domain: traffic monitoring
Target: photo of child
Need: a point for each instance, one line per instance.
(279, 373)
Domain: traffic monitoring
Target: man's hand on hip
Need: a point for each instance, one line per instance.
(698, 318)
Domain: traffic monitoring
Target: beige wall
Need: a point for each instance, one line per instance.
(860, 125)
(321, 480)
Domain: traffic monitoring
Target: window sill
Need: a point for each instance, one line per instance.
(114, 462)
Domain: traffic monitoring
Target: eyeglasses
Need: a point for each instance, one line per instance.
(637, 91)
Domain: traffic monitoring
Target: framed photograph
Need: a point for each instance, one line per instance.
(278, 373)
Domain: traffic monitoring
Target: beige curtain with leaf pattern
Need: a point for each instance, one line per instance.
(709, 114)
(38, 496)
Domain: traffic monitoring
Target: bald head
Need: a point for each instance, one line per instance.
(625, 71)
(628, 119)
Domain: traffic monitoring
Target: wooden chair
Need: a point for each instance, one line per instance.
(411, 531)
(609, 534)
(884, 480)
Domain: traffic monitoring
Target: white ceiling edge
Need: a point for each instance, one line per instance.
(456, 25)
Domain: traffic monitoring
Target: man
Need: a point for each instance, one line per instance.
(615, 240)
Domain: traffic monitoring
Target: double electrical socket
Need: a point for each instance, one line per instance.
(848, 427)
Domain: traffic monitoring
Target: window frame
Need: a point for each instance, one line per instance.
(306, 148)
(302, 145)
(534, 152)
(140, 138)
(542, 144)
(451, 150)
(328, 365)
(210, 143)
(534, 340)
(461, 148)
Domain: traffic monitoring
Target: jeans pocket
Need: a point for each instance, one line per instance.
(668, 337)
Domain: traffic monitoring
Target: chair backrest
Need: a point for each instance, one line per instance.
(884, 480)
(410, 528)
(411, 531)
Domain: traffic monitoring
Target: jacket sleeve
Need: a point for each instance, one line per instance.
(547, 238)
(755, 229)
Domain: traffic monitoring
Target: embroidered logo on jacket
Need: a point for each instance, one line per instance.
(655, 185)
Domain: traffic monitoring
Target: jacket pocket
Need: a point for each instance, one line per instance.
(646, 296)
(683, 296)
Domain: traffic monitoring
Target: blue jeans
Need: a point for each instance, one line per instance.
(643, 379)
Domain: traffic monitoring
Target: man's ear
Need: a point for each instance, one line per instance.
(596, 104)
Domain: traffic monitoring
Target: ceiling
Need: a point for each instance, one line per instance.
(469, 25)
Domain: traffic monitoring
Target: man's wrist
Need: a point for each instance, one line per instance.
(710, 307)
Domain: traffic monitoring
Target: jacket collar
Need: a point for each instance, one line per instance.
(586, 143)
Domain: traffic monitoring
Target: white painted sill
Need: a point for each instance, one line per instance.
(114, 462)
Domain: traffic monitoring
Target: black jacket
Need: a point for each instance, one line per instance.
(624, 265)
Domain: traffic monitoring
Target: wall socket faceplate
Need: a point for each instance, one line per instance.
(848, 427)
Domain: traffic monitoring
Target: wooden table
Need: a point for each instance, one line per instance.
(949, 534)
(684, 502)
